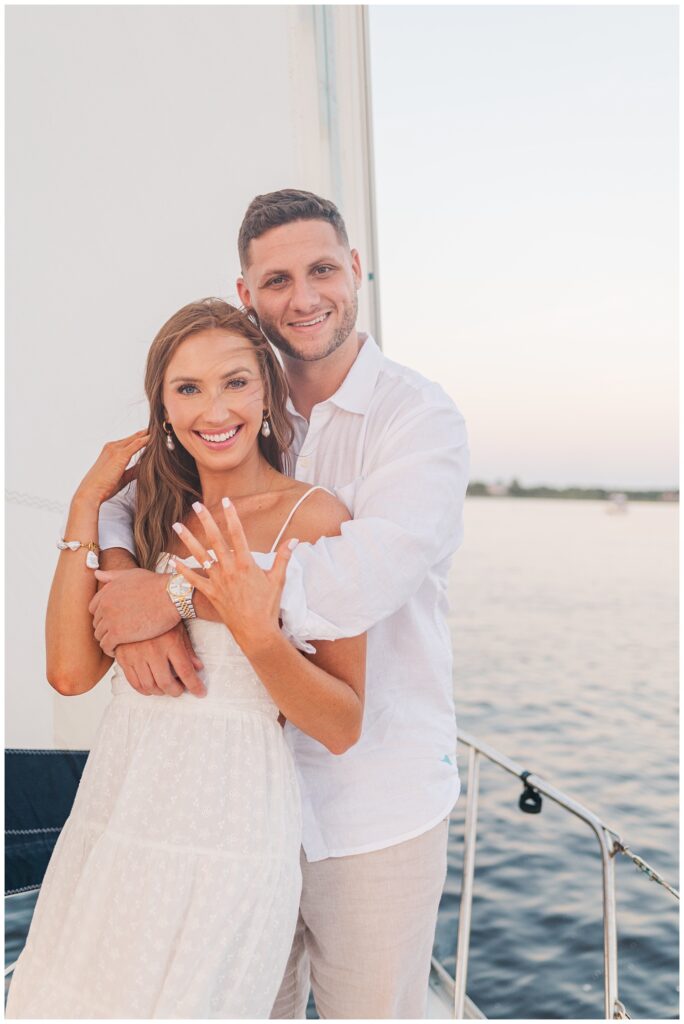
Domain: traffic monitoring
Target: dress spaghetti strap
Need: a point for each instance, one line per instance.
(316, 487)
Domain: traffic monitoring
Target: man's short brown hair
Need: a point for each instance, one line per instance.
(284, 207)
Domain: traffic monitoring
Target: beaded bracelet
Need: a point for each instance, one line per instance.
(92, 560)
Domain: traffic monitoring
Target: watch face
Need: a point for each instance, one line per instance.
(180, 591)
(179, 586)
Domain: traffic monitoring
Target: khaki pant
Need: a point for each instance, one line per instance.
(365, 932)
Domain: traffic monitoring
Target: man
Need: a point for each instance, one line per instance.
(393, 447)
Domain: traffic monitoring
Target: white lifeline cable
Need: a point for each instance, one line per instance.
(316, 487)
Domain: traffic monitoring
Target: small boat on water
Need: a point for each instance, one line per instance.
(41, 785)
(618, 503)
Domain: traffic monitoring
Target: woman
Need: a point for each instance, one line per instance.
(173, 889)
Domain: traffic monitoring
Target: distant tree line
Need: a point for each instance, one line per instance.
(516, 490)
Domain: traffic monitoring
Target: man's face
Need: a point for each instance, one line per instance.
(302, 283)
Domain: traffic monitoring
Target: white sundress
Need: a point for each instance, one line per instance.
(173, 889)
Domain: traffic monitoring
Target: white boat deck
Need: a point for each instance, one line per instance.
(440, 1005)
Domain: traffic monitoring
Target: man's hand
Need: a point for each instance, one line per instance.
(133, 606)
(166, 665)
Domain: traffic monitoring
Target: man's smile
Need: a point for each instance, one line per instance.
(304, 325)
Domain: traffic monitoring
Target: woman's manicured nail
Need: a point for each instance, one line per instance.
(292, 544)
(198, 506)
(226, 502)
(178, 527)
(172, 564)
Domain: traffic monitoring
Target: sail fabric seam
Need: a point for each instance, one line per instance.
(35, 501)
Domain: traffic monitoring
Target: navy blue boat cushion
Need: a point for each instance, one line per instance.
(40, 786)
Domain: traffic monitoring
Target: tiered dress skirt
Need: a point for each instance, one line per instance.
(173, 890)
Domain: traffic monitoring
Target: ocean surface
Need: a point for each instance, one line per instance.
(564, 625)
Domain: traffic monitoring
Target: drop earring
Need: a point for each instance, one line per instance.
(169, 435)
(265, 428)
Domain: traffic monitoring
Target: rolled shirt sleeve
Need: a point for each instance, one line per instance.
(115, 526)
(408, 517)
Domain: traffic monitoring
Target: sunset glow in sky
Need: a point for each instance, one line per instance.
(526, 170)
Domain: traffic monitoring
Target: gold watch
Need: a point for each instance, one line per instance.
(180, 591)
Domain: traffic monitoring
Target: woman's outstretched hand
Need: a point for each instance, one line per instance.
(246, 597)
(108, 474)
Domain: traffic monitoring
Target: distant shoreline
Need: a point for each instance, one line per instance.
(477, 489)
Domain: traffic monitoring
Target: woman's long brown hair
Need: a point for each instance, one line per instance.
(168, 481)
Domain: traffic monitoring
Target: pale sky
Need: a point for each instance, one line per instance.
(526, 175)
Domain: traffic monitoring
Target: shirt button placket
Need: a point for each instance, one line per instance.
(305, 463)
(303, 470)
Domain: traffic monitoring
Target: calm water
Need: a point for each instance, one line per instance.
(564, 621)
(564, 625)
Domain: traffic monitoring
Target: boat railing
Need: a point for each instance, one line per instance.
(610, 845)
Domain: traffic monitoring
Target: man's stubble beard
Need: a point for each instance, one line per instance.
(340, 335)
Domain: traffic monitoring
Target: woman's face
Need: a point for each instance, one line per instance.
(214, 398)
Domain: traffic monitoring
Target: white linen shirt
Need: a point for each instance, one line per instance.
(393, 447)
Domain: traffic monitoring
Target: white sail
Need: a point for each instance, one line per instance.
(136, 136)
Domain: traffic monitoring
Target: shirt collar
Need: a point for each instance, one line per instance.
(356, 390)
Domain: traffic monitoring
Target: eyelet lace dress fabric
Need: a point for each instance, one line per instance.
(173, 890)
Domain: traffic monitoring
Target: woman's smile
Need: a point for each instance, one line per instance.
(219, 440)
